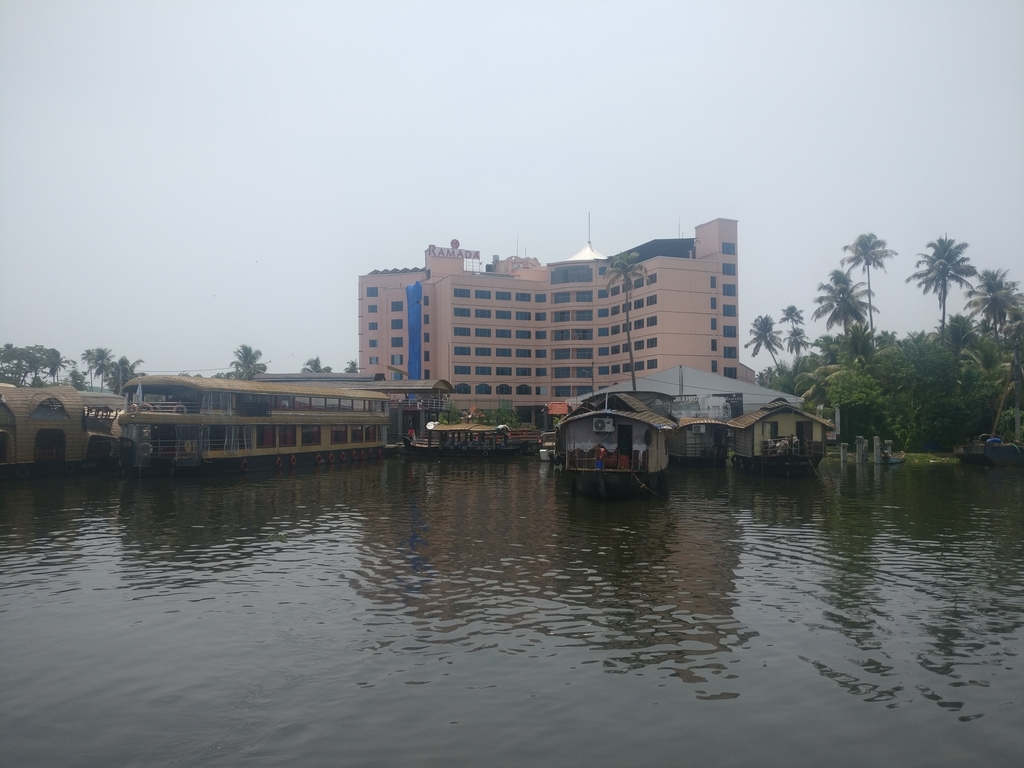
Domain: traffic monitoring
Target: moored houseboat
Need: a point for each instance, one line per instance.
(699, 442)
(613, 444)
(192, 424)
(481, 441)
(779, 439)
(57, 430)
(990, 451)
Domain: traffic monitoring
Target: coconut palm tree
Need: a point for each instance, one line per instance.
(792, 315)
(352, 366)
(121, 372)
(247, 363)
(763, 334)
(626, 270)
(992, 298)
(54, 362)
(313, 366)
(938, 271)
(867, 252)
(797, 341)
(101, 360)
(841, 301)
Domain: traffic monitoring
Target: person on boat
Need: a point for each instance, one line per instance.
(411, 433)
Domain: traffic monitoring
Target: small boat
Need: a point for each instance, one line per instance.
(464, 441)
(990, 451)
(894, 458)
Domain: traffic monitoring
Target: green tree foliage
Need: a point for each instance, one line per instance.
(840, 301)
(868, 252)
(763, 335)
(944, 268)
(352, 366)
(247, 363)
(313, 366)
(626, 271)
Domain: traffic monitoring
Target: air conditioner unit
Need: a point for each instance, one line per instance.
(698, 428)
(604, 425)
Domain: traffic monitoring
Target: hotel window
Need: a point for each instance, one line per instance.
(339, 435)
(397, 306)
(728, 289)
(523, 353)
(482, 352)
(652, 321)
(501, 371)
(461, 351)
(374, 361)
(583, 315)
(372, 326)
(462, 370)
(311, 434)
(541, 353)
(638, 324)
(652, 363)
(729, 249)
(639, 365)
(541, 371)
(373, 343)
(638, 304)
(503, 333)
(584, 373)
(426, 337)
(582, 273)
(523, 315)
(503, 352)
(602, 331)
(371, 293)
(562, 373)
(540, 297)
(462, 389)
(583, 353)
(524, 371)
(397, 359)
(540, 334)
(479, 294)
(503, 389)
(615, 290)
(728, 269)
(615, 310)
(714, 324)
(483, 370)
(426, 357)
(562, 298)
(584, 296)
(523, 334)
(602, 270)
(483, 389)
(626, 368)
(426, 319)
(714, 282)
(714, 345)
(714, 366)
(503, 295)
(638, 344)
(652, 342)
(563, 391)
(458, 330)
(615, 369)
(522, 297)
(729, 331)
(540, 316)
(602, 312)
(562, 354)
(652, 278)
(426, 373)
(616, 349)
(714, 303)
(561, 334)
(602, 293)
(524, 389)
(561, 317)
(729, 310)
(462, 293)
(484, 313)
(602, 370)
(652, 299)
(638, 283)
(462, 311)
(616, 330)
(371, 308)
(426, 301)
(729, 373)
(396, 325)
(397, 341)
(602, 351)
(502, 314)
(482, 333)
(730, 352)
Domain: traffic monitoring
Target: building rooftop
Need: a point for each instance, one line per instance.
(676, 248)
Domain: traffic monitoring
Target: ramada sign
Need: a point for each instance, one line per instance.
(452, 253)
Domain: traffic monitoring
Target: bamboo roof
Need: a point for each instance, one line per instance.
(689, 422)
(773, 408)
(464, 428)
(240, 386)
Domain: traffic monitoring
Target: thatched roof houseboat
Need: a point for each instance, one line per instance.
(779, 438)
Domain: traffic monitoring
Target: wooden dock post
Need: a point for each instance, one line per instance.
(878, 449)
(843, 448)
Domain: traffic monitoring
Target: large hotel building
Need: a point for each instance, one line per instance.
(518, 333)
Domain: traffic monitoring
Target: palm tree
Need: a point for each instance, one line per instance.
(101, 361)
(247, 363)
(868, 252)
(944, 267)
(55, 362)
(88, 357)
(352, 366)
(626, 270)
(763, 334)
(792, 315)
(841, 301)
(313, 366)
(992, 298)
(797, 341)
(121, 372)
(963, 335)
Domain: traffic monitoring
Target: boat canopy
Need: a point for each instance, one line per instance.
(161, 384)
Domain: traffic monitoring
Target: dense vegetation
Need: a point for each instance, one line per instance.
(923, 390)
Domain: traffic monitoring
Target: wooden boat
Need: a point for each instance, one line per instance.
(47, 431)
(464, 441)
(614, 445)
(990, 451)
(779, 439)
(894, 458)
(699, 442)
(183, 424)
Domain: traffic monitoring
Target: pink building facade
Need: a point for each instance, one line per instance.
(513, 332)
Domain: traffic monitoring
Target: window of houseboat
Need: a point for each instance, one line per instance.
(217, 438)
(773, 429)
(301, 404)
(339, 435)
(318, 403)
(217, 402)
(265, 434)
(332, 403)
(371, 433)
(345, 404)
(284, 402)
(286, 436)
(357, 434)
(311, 434)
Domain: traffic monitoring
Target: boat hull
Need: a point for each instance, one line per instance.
(242, 464)
(468, 452)
(612, 484)
(787, 465)
(985, 455)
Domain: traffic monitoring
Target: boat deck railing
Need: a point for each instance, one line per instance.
(783, 446)
(589, 462)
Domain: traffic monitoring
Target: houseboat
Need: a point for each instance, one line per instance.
(613, 444)
(699, 442)
(481, 441)
(192, 424)
(57, 430)
(990, 451)
(779, 439)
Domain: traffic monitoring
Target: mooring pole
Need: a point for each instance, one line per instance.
(878, 449)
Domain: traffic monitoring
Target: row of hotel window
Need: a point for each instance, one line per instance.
(559, 316)
(522, 389)
(291, 436)
(559, 372)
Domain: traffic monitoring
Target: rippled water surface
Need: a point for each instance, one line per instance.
(415, 613)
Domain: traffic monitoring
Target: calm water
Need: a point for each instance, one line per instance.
(413, 613)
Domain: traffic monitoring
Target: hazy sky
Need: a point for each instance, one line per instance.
(179, 178)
